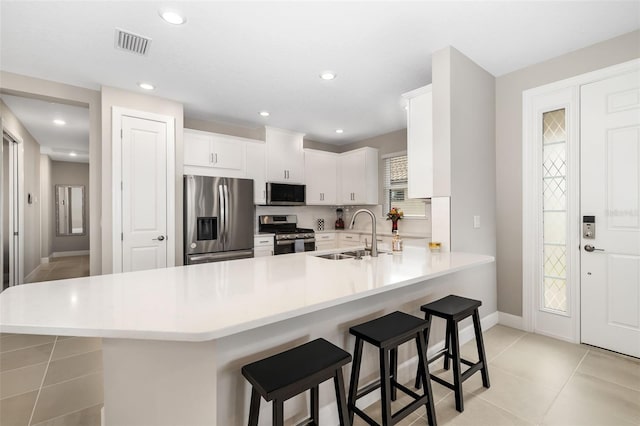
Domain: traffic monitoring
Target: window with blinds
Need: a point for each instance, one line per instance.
(395, 188)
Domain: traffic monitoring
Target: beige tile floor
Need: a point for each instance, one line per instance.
(535, 380)
(60, 268)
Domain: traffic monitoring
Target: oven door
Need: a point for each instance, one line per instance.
(294, 246)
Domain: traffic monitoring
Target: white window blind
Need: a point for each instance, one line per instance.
(395, 188)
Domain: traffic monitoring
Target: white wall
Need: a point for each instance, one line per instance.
(46, 205)
(31, 186)
(464, 159)
(509, 88)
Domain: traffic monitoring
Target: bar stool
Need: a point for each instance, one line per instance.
(387, 333)
(287, 374)
(454, 309)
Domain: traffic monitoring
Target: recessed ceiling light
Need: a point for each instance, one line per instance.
(339, 131)
(146, 86)
(59, 122)
(173, 17)
(264, 113)
(328, 75)
(72, 154)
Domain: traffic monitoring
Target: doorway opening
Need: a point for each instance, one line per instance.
(55, 207)
(11, 212)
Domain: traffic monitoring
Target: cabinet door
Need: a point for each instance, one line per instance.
(227, 154)
(352, 174)
(285, 157)
(321, 170)
(420, 146)
(262, 251)
(197, 149)
(255, 156)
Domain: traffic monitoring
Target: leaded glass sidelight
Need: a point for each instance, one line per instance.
(554, 196)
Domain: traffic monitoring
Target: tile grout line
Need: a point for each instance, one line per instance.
(69, 413)
(73, 378)
(489, 361)
(44, 376)
(575, 370)
(27, 347)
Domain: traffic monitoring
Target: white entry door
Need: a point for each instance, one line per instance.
(144, 194)
(610, 195)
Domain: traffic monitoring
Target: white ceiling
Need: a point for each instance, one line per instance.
(56, 141)
(234, 59)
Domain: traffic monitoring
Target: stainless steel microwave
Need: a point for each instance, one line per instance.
(285, 194)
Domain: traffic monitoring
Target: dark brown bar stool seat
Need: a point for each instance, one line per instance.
(387, 333)
(454, 309)
(287, 374)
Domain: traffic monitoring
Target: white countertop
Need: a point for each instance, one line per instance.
(213, 300)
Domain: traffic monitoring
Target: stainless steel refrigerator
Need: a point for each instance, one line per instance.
(218, 219)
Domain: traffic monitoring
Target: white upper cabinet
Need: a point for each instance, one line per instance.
(420, 142)
(256, 165)
(285, 156)
(321, 177)
(359, 176)
(212, 154)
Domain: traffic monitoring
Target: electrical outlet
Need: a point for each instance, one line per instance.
(476, 222)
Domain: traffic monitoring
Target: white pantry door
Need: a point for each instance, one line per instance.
(144, 194)
(610, 192)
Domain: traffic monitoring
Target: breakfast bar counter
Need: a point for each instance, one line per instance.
(175, 339)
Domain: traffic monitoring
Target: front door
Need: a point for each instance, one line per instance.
(610, 202)
(144, 194)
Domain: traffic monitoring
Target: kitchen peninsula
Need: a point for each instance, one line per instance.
(174, 339)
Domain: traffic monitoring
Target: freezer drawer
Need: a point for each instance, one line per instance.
(194, 259)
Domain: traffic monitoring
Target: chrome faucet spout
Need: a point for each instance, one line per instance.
(374, 236)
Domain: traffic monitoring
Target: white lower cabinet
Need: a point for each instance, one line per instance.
(349, 240)
(262, 246)
(326, 241)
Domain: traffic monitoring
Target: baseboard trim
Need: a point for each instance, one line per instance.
(509, 320)
(44, 260)
(70, 253)
(330, 411)
(27, 279)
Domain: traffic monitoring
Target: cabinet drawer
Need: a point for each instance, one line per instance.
(325, 237)
(350, 237)
(263, 242)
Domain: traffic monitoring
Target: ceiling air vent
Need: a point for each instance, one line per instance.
(131, 42)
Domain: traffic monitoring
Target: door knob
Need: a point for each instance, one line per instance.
(160, 238)
(591, 248)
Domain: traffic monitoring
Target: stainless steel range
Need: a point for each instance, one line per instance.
(289, 238)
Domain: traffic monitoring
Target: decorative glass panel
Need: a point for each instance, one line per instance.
(554, 215)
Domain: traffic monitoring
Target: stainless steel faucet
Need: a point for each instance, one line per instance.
(374, 237)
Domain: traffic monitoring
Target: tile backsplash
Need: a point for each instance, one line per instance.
(308, 218)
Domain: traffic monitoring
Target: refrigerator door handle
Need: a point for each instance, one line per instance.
(223, 213)
(226, 218)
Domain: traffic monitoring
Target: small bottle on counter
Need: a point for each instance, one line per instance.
(396, 242)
